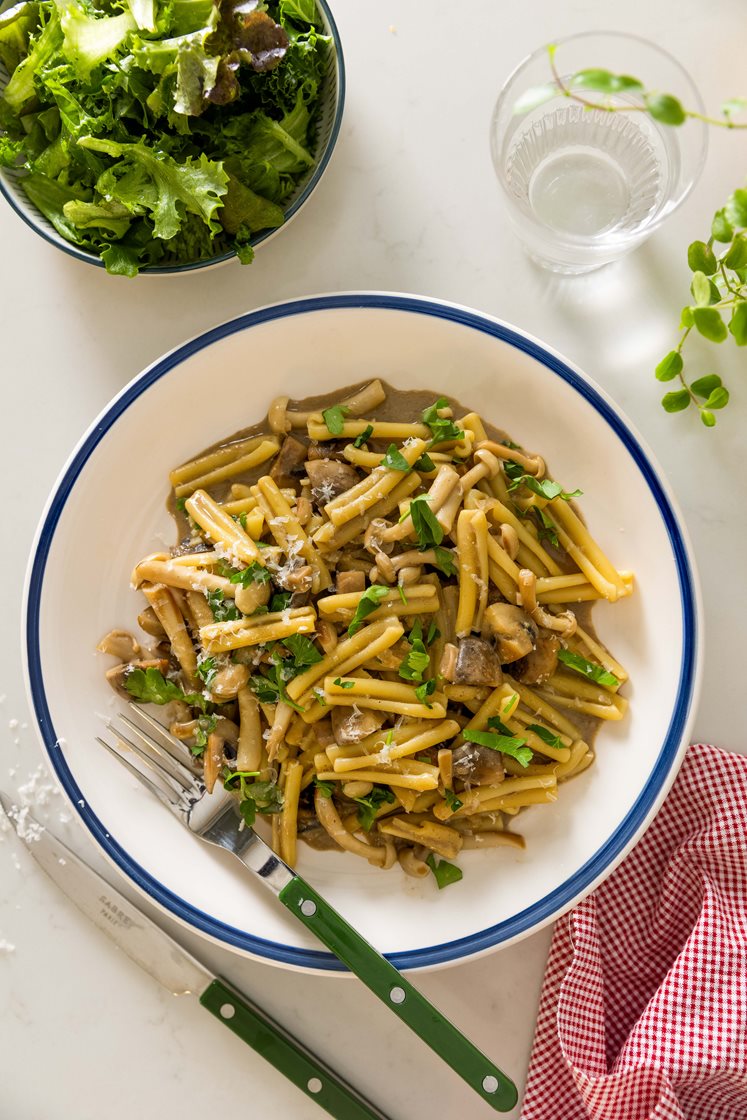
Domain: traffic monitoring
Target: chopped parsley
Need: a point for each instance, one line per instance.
(224, 610)
(364, 436)
(280, 601)
(149, 686)
(371, 803)
(452, 800)
(546, 530)
(254, 573)
(255, 797)
(424, 522)
(181, 504)
(402, 595)
(367, 604)
(334, 418)
(424, 690)
(544, 487)
(545, 735)
(303, 650)
(507, 744)
(416, 662)
(269, 688)
(441, 428)
(445, 873)
(424, 463)
(207, 670)
(325, 788)
(394, 460)
(343, 684)
(588, 669)
(433, 633)
(205, 727)
(444, 561)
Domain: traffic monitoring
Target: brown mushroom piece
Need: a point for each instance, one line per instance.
(289, 462)
(120, 644)
(475, 662)
(539, 665)
(350, 725)
(329, 479)
(514, 631)
(349, 582)
(477, 766)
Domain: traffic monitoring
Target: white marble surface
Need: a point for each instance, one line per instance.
(409, 203)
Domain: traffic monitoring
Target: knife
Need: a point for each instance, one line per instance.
(165, 960)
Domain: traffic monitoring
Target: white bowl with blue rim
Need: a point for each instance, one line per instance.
(94, 529)
(328, 122)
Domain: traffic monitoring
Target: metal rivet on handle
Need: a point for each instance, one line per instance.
(228, 1011)
(308, 908)
(490, 1083)
(314, 1085)
(397, 995)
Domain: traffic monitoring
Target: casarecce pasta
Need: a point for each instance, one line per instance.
(375, 628)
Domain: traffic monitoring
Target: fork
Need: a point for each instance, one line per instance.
(175, 780)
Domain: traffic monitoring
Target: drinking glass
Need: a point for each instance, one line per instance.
(584, 186)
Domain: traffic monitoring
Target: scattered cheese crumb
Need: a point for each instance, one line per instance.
(12, 724)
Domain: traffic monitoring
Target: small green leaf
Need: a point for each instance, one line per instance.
(603, 80)
(736, 208)
(675, 402)
(364, 436)
(424, 690)
(686, 318)
(343, 684)
(416, 662)
(669, 366)
(738, 324)
(736, 256)
(588, 668)
(334, 418)
(709, 323)
(303, 649)
(700, 287)
(425, 523)
(704, 386)
(719, 398)
(367, 604)
(325, 788)
(424, 463)
(546, 736)
(664, 108)
(708, 418)
(533, 97)
(511, 745)
(394, 460)
(701, 258)
(721, 227)
(446, 873)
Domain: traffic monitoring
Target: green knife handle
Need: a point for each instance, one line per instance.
(287, 1055)
(398, 994)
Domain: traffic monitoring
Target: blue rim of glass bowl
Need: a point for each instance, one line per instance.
(562, 895)
(169, 270)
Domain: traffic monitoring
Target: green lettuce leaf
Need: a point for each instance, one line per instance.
(90, 40)
(20, 88)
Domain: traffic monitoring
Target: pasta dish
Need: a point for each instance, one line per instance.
(375, 628)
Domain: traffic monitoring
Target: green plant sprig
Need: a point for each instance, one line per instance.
(663, 107)
(719, 282)
(718, 287)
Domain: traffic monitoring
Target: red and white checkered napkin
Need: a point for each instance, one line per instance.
(643, 1014)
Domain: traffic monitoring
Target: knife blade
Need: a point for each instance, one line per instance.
(163, 958)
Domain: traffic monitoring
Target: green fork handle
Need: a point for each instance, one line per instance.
(286, 1054)
(399, 995)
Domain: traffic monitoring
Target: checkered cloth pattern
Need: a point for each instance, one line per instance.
(643, 1014)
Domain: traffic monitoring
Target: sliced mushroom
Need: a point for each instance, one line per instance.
(297, 580)
(513, 630)
(227, 682)
(479, 766)
(120, 644)
(347, 582)
(350, 725)
(289, 462)
(539, 665)
(329, 479)
(147, 620)
(473, 661)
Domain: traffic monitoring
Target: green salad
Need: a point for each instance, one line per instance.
(160, 132)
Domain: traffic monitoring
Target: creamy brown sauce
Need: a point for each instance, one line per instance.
(401, 406)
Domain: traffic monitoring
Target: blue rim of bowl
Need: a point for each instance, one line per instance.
(562, 896)
(170, 270)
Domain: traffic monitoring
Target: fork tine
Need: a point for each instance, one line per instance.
(154, 763)
(173, 747)
(170, 798)
(176, 770)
